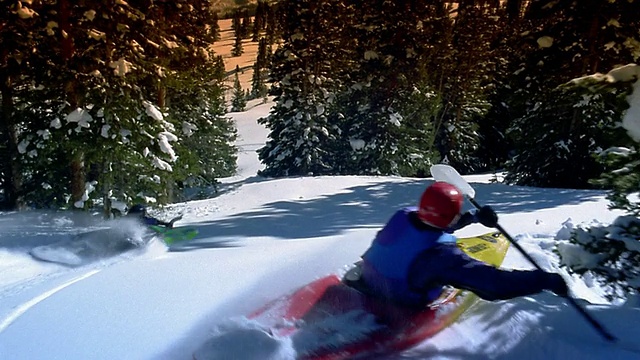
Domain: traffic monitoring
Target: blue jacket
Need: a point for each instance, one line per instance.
(409, 262)
(386, 264)
(147, 220)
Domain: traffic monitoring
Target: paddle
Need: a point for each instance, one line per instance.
(441, 172)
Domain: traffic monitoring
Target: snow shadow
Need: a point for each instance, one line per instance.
(370, 206)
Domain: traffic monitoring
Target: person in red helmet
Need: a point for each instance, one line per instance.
(415, 255)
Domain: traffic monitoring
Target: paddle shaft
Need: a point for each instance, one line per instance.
(571, 300)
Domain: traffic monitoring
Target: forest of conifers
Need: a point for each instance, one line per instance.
(119, 102)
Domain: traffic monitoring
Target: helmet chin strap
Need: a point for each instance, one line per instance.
(455, 220)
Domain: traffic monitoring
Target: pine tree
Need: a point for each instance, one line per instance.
(622, 159)
(214, 29)
(564, 40)
(239, 101)
(207, 153)
(465, 79)
(99, 100)
(273, 23)
(247, 25)
(387, 108)
(616, 268)
(237, 48)
(562, 153)
(301, 74)
(258, 86)
(260, 20)
(16, 58)
(614, 246)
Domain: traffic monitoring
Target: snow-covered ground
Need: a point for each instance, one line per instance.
(262, 238)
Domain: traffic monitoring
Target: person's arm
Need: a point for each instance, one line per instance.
(466, 219)
(448, 265)
(485, 216)
(153, 221)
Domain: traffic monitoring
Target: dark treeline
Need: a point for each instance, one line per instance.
(390, 87)
(125, 103)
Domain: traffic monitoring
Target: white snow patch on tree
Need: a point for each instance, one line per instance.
(624, 73)
(163, 140)
(45, 134)
(50, 26)
(97, 35)
(90, 15)
(288, 104)
(395, 119)
(631, 119)
(545, 41)
(124, 133)
(370, 54)
(152, 111)
(121, 67)
(23, 145)
(161, 164)
(89, 187)
(104, 132)
(170, 44)
(24, 12)
(188, 128)
(357, 144)
(81, 117)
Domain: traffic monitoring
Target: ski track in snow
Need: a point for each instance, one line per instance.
(24, 307)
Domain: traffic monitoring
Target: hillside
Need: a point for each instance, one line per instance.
(245, 61)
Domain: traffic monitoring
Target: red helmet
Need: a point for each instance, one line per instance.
(440, 205)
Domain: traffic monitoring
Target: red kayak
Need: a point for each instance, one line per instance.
(333, 318)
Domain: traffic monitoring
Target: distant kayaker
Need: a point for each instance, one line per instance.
(140, 211)
(415, 255)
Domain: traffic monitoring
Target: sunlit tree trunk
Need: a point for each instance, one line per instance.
(76, 165)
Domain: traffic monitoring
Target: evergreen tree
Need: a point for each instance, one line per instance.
(237, 48)
(622, 159)
(302, 80)
(214, 28)
(386, 112)
(258, 86)
(206, 151)
(236, 22)
(561, 41)
(239, 101)
(247, 25)
(562, 153)
(273, 23)
(495, 147)
(99, 98)
(260, 20)
(465, 80)
(16, 58)
(614, 248)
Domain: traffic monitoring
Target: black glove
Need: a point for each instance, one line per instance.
(487, 217)
(556, 283)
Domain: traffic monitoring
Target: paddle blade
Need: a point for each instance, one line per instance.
(442, 172)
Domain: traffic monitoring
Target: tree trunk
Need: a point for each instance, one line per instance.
(76, 166)
(77, 176)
